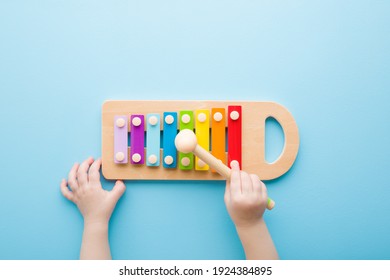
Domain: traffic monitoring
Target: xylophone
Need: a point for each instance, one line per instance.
(138, 138)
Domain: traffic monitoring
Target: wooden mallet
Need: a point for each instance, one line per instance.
(186, 142)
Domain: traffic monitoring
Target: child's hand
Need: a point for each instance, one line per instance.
(245, 197)
(95, 203)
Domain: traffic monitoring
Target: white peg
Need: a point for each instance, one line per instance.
(119, 156)
(169, 119)
(152, 159)
(202, 117)
(136, 158)
(234, 115)
(185, 161)
(168, 160)
(185, 118)
(136, 121)
(120, 122)
(217, 116)
(153, 120)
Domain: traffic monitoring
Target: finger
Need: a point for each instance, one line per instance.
(227, 191)
(256, 183)
(227, 187)
(118, 190)
(93, 173)
(246, 183)
(65, 191)
(235, 178)
(72, 178)
(264, 192)
(82, 176)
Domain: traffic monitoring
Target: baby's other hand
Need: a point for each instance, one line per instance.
(95, 204)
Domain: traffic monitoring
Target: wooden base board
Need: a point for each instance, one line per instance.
(254, 115)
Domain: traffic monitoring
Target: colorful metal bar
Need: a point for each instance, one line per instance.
(153, 140)
(234, 134)
(218, 134)
(169, 134)
(120, 139)
(202, 131)
(137, 138)
(186, 161)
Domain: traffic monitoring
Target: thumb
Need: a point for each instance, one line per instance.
(118, 190)
(234, 165)
(235, 178)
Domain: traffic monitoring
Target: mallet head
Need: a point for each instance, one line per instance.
(186, 141)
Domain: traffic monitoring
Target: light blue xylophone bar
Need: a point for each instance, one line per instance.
(170, 132)
(153, 140)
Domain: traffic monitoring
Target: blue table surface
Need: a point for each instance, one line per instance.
(328, 62)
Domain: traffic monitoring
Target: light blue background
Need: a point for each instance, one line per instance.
(328, 62)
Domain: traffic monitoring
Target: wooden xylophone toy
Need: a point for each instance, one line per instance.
(138, 138)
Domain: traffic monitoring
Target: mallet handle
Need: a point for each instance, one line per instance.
(221, 168)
